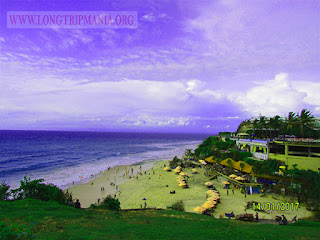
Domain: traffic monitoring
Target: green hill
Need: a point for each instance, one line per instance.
(33, 219)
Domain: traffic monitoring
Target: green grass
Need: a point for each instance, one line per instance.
(49, 220)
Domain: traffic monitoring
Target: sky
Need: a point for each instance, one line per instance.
(196, 66)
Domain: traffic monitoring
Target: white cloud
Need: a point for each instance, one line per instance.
(149, 17)
(277, 96)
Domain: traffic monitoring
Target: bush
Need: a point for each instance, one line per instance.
(108, 203)
(179, 206)
(175, 162)
(239, 155)
(38, 190)
(4, 194)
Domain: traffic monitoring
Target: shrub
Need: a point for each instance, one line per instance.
(4, 194)
(179, 206)
(38, 190)
(175, 162)
(108, 203)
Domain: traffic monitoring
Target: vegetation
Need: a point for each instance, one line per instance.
(37, 190)
(179, 206)
(309, 188)
(175, 162)
(211, 146)
(300, 125)
(108, 203)
(4, 191)
(264, 167)
(30, 218)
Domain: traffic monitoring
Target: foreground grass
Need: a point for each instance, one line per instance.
(49, 220)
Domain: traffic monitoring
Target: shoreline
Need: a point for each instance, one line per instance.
(89, 192)
(99, 174)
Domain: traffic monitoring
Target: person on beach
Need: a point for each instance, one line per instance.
(232, 191)
(77, 204)
(257, 217)
(245, 196)
(227, 192)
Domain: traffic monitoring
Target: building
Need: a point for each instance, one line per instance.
(258, 148)
(302, 153)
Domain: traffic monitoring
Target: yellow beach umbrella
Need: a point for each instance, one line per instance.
(211, 202)
(210, 192)
(194, 170)
(240, 178)
(167, 169)
(182, 174)
(199, 209)
(208, 184)
(182, 184)
(225, 182)
(233, 176)
(208, 205)
(212, 199)
(209, 159)
(176, 170)
(214, 195)
(203, 162)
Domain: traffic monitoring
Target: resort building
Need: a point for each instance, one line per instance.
(302, 153)
(258, 148)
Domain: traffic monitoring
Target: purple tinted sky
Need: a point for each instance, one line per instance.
(190, 66)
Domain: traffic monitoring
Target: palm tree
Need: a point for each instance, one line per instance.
(274, 123)
(262, 124)
(291, 121)
(305, 120)
(255, 126)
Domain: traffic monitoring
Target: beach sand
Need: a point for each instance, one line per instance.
(89, 193)
(153, 187)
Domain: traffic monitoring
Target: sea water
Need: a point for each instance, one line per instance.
(65, 157)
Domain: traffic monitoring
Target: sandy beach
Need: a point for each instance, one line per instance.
(110, 180)
(155, 185)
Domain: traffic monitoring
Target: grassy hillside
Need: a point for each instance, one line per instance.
(50, 220)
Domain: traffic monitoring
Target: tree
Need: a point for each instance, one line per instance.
(262, 125)
(275, 124)
(255, 126)
(4, 191)
(242, 164)
(230, 164)
(291, 121)
(38, 190)
(305, 120)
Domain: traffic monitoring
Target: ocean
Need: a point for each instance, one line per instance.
(63, 157)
